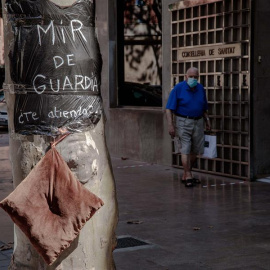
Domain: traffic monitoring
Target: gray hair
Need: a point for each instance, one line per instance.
(194, 69)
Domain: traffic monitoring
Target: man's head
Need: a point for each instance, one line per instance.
(192, 76)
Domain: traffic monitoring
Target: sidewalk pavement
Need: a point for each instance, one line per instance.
(6, 186)
(220, 224)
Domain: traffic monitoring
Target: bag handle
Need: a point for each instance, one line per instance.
(59, 139)
(53, 144)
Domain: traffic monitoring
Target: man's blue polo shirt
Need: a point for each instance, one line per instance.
(183, 100)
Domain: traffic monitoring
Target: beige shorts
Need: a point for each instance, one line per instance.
(191, 135)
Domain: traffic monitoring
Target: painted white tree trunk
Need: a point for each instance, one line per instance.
(87, 156)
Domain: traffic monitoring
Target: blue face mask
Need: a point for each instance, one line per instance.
(192, 82)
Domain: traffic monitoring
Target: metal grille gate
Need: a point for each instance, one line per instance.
(218, 26)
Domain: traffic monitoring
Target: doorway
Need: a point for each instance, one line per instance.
(215, 38)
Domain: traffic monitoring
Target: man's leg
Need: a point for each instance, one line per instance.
(197, 145)
(193, 158)
(186, 164)
(184, 130)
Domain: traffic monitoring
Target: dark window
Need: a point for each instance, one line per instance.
(139, 53)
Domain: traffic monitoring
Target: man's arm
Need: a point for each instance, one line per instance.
(171, 127)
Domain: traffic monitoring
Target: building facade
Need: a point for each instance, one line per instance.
(147, 46)
(227, 41)
(137, 131)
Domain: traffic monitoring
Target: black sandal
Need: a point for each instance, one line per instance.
(189, 183)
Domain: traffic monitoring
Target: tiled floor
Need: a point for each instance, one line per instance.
(220, 224)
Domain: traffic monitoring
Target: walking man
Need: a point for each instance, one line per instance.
(188, 102)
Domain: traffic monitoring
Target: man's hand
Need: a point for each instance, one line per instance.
(171, 127)
(171, 130)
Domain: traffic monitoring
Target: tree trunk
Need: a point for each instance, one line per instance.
(87, 156)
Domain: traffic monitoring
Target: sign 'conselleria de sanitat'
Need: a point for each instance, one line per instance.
(206, 52)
